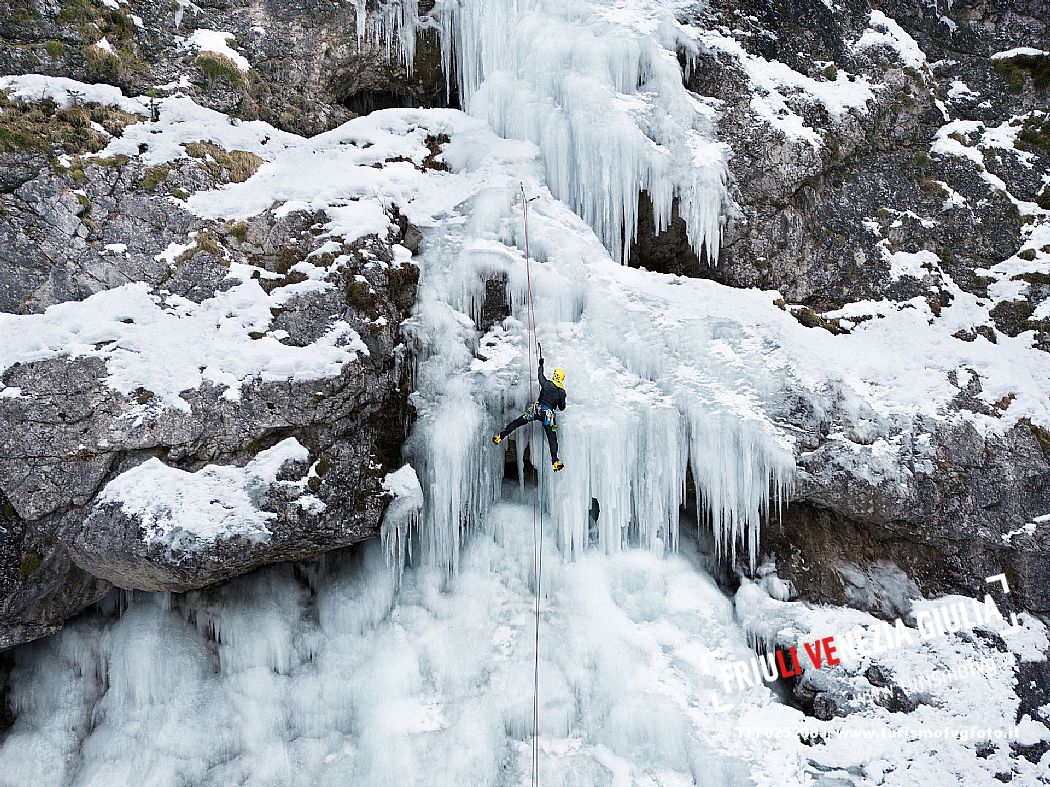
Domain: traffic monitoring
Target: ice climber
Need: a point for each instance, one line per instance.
(552, 397)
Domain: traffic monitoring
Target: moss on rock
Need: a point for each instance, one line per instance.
(216, 67)
(31, 563)
(1011, 317)
(1016, 69)
(811, 319)
(153, 176)
(1035, 134)
(44, 126)
(239, 165)
(203, 242)
(1033, 277)
(237, 230)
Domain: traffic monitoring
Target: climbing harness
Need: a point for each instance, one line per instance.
(542, 413)
(537, 514)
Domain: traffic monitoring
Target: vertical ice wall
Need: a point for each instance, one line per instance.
(663, 380)
(459, 478)
(599, 88)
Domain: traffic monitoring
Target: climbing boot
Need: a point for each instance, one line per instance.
(558, 465)
(496, 439)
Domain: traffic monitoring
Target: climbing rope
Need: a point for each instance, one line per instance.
(537, 512)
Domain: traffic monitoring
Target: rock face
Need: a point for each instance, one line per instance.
(312, 69)
(947, 519)
(818, 195)
(73, 227)
(68, 434)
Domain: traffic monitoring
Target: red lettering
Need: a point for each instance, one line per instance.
(783, 669)
(814, 652)
(829, 651)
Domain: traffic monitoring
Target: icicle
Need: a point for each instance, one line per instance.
(402, 516)
(740, 470)
(391, 25)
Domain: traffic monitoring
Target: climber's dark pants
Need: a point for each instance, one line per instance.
(544, 416)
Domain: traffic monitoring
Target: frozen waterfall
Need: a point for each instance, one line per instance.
(598, 87)
(664, 381)
(327, 676)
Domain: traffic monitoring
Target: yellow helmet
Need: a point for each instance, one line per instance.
(559, 377)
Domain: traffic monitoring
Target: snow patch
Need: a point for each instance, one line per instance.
(169, 344)
(186, 511)
(960, 91)
(1020, 51)
(884, 31)
(915, 264)
(775, 85)
(65, 92)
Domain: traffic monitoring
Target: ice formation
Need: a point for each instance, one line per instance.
(392, 25)
(268, 681)
(402, 515)
(665, 374)
(333, 676)
(648, 390)
(599, 89)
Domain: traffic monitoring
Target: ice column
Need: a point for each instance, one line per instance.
(458, 478)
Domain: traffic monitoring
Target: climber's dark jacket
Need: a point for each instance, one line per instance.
(550, 395)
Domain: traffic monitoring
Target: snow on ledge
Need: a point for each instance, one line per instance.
(217, 41)
(186, 510)
(65, 92)
(774, 83)
(168, 345)
(1020, 51)
(884, 31)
